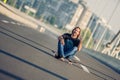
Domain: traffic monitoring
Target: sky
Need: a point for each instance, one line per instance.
(105, 9)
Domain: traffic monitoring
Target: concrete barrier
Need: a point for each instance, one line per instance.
(105, 59)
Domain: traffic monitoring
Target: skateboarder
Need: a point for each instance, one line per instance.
(69, 44)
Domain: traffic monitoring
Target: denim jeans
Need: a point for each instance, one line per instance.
(68, 50)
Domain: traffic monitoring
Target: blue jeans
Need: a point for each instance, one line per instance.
(67, 50)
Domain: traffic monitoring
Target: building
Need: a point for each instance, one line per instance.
(75, 18)
(61, 10)
(81, 16)
(75, 1)
(84, 18)
(100, 32)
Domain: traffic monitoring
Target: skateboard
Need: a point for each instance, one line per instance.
(75, 61)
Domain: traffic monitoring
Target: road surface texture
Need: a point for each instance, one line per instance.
(26, 54)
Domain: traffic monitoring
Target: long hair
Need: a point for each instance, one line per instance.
(79, 32)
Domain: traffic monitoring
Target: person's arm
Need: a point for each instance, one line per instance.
(61, 39)
(80, 46)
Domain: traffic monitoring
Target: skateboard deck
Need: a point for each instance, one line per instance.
(76, 62)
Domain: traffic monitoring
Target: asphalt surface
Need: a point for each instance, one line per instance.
(27, 54)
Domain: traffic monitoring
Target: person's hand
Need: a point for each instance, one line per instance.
(61, 40)
(80, 46)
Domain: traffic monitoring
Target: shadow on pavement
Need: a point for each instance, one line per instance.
(26, 38)
(33, 65)
(10, 75)
(27, 43)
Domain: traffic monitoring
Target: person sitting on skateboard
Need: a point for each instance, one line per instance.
(69, 44)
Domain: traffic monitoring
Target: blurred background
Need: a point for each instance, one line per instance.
(94, 17)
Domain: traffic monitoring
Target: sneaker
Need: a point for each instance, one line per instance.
(56, 56)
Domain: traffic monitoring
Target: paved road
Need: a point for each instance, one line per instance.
(27, 54)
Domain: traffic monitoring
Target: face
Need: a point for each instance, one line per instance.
(76, 31)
